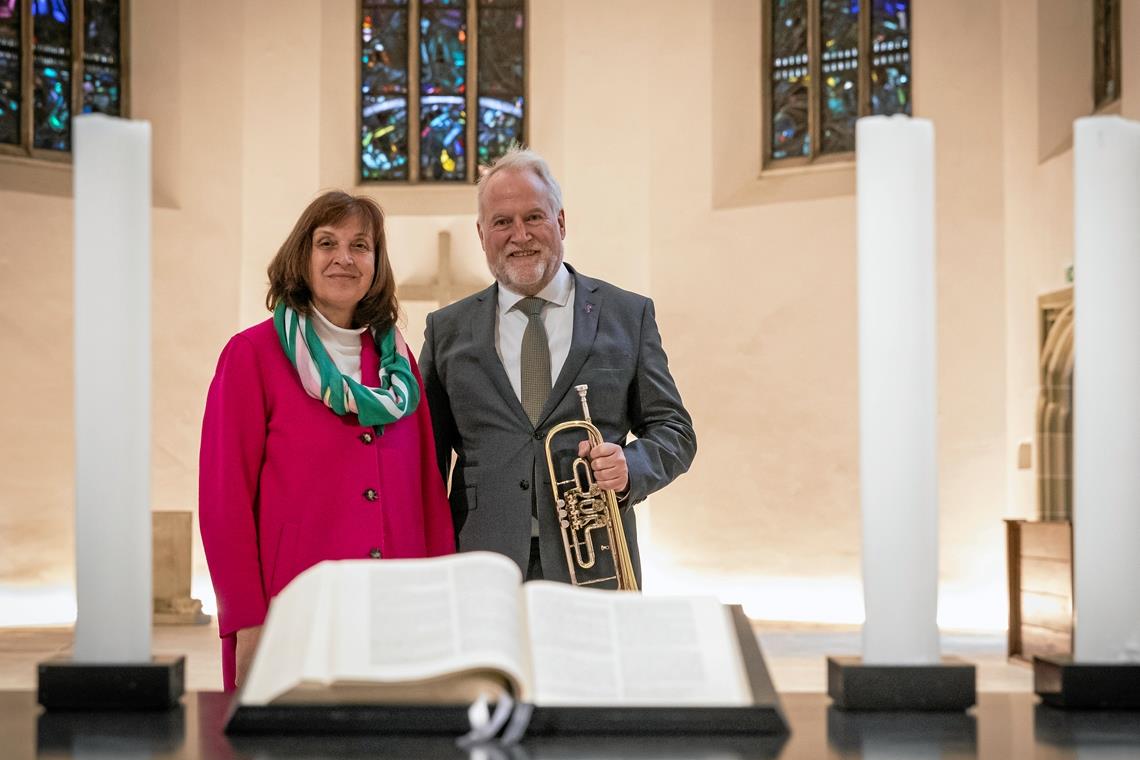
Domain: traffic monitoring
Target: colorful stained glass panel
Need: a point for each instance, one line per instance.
(789, 91)
(443, 88)
(51, 71)
(502, 36)
(439, 73)
(839, 68)
(890, 57)
(384, 90)
(502, 31)
(500, 126)
(384, 147)
(443, 130)
(102, 79)
(443, 50)
(10, 91)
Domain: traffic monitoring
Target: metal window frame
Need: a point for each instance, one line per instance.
(25, 148)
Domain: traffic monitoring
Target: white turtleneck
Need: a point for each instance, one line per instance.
(342, 344)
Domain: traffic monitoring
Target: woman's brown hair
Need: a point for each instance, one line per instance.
(289, 270)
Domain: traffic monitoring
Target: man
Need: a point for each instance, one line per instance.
(499, 370)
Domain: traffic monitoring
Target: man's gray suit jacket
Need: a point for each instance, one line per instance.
(500, 465)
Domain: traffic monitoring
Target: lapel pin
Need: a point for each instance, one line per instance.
(589, 307)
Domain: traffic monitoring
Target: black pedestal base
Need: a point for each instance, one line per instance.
(858, 734)
(68, 685)
(1060, 682)
(949, 686)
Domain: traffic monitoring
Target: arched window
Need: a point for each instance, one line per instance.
(58, 58)
(826, 63)
(424, 68)
(1106, 52)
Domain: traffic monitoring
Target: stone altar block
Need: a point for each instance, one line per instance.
(172, 536)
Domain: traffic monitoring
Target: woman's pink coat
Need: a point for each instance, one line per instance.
(285, 483)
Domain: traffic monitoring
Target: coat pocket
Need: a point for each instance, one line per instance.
(470, 480)
(284, 559)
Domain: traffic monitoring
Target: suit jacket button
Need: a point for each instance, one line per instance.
(371, 494)
(374, 553)
(539, 435)
(524, 485)
(366, 438)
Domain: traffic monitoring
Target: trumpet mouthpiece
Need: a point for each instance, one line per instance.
(582, 397)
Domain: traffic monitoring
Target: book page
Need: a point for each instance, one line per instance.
(291, 648)
(602, 648)
(413, 620)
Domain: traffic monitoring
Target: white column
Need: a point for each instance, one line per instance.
(111, 169)
(1106, 389)
(897, 398)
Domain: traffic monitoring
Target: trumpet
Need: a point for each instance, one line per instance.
(588, 515)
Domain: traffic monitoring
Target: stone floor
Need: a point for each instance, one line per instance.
(795, 654)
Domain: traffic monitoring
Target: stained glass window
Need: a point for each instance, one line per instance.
(502, 42)
(790, 136)
(828, 62)
(10, 69)
(71, 54)
(51, 120)
(418, 78)
(890, 57)
(839, 53)
(443, 83)
(384, 89)
(1106, 52)
(102, 67)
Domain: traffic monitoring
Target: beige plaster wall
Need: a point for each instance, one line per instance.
(648, 113)
(36, 397)
(758, 304)
(182, 83)
(958, 45)
(1047, 75)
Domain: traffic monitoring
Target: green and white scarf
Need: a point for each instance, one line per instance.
(395, 396)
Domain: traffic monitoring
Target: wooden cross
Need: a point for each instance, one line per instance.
(443, 289)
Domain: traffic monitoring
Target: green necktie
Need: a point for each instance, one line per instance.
(534, 359)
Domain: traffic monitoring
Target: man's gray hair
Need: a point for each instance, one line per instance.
(518, 158)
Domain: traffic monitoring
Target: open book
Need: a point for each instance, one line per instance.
(449, 629)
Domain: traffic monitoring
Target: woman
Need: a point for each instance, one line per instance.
(315, 444)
